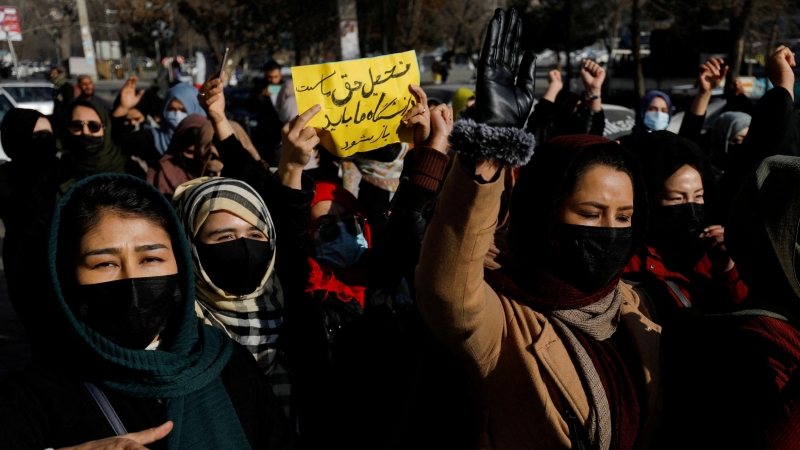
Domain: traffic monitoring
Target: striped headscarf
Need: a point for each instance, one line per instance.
(253, 320)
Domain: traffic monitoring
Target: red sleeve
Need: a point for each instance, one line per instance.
(733, 283)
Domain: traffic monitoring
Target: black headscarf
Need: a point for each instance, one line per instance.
(533, 220)
(763, 230)
(108, 160)
(16, 132)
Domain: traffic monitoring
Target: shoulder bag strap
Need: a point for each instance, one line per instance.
(108, 410)
(678, 293)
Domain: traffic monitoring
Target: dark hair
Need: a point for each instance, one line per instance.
(83, 77)
(271, 65)
(612, 156)
(126, 197)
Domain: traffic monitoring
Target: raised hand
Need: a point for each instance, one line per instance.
(711, 74)
(419, 116)
(130, 441)
(593, 76)
(128, 97)
(554, 85)
(212, 98)
(442, 125)
(714, 237)
(779, 69)
(298, 142)
(504, 90)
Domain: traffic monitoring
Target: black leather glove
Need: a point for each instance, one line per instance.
(499, 102)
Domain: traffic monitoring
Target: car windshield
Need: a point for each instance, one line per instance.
(26, 94)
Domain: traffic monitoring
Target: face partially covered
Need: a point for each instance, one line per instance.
(338, 234)
(234, 254)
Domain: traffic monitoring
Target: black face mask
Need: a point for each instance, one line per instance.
(676, 230)
(237, 267)
(85, 145)
(129, 312)
(588, 258)
(43, 144)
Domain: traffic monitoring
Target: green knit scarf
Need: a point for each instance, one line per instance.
(184, 371)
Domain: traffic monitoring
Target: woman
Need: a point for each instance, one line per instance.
(86, 140)
(730, 380)
(654, 112)
(172, 169)
(29, 185)
(232, 238)
(561, 356)
(130, 354)
(151, 144)
(684, 262)
(206, 160)
(726, 139)
(347, 339)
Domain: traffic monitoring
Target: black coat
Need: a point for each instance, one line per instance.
(363, 378)
(42, 408)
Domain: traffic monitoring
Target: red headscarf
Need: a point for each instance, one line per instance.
(348, 284)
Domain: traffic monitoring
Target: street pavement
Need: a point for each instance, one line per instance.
(14, 348)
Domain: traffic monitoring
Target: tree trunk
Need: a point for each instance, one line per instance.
(773, 37)
(638, 76)
(738, 27)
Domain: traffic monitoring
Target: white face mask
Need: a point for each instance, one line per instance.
(175, 117)
(656, 120)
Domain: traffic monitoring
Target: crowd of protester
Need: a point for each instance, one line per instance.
(509, 280)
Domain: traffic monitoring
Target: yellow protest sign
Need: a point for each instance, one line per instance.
(363, 100)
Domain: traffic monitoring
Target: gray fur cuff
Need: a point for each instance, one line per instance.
(512, 146)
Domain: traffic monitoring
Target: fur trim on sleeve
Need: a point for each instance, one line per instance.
(478, 141)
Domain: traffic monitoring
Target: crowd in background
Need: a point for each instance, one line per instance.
(508, 280)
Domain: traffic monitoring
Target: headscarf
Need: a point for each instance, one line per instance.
(171, 170)
(185, 370)
(585, 321)
(644, 103)
(762, 234)
(16, 131)
(533, 219)
(346, 284)
(728, 126)
(204, 147)
(259, 312)
(459, 101)
(661, 154)
(187, 94)
(108, 160)
(253, 320)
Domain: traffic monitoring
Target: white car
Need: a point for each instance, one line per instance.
(37, 95)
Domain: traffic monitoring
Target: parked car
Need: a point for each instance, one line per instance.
(38, 96)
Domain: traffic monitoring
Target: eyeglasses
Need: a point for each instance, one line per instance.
(76, 126)
(329, 231)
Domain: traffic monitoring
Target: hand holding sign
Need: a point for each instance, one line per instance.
(362, 101)
(419, 117)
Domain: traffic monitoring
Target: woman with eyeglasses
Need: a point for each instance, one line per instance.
(85, 136)
(349, 339)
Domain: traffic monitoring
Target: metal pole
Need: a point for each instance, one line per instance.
(86, 38)
(13, 54)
